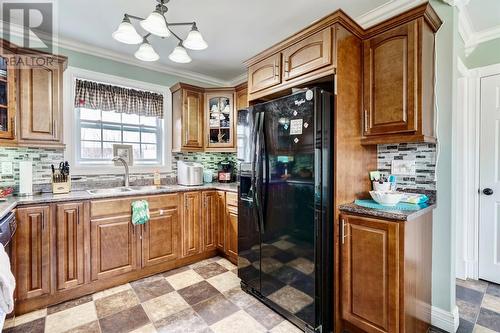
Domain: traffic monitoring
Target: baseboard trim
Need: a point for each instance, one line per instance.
(445, 320)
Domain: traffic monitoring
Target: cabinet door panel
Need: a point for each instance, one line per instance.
(390, 82)
(370, 274)
(308, 55)
(8, 103)
(113, 247)
(232, 233)
(210, 220)
(33, 252)
(221, 223)
(160, 238)
(70, 245)
(40, 104)
(191, 221)
(265, 74)
(192, 119)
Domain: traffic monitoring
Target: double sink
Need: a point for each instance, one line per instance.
(128, 189)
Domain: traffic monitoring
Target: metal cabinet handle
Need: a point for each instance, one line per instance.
(343, 232)
(366, 121)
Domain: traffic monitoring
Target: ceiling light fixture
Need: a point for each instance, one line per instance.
(156, 24)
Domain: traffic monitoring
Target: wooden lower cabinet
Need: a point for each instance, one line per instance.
(232, 233)
(160, 237)
(221, 223)
(70, 257)
(32, 250)
(231, 227)
(210, 218)
(191, 224)
(65, 250)
(386, 274)
(113, 243)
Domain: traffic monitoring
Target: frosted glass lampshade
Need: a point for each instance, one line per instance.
(195, 41)
(180, 55)
(146, 52)
(155, 24)
(126, 33)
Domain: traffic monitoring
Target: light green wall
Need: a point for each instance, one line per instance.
(443, 249)
(487, 53)
(111, 67)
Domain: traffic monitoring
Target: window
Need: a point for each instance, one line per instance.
(99, 130)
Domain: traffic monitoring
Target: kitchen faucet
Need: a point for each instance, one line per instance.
(118, 158)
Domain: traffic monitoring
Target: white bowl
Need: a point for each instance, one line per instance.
(387, 198)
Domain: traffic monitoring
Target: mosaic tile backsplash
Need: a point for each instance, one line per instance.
(43, 158)
(424, 156)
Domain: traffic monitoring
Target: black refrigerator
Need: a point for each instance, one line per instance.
(285, 243)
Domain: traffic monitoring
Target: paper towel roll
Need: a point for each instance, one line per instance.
(25, 178)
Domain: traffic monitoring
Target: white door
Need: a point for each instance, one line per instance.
(489, 180)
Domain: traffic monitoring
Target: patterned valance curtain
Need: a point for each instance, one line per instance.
(105, 97)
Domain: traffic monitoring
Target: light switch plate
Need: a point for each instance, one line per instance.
(7, 168)
(403, 167)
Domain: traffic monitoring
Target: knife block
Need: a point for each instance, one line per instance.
(61, 187)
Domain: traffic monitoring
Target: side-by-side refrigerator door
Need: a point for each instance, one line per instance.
(249, 237)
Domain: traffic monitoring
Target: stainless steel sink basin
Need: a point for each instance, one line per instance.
(147, 188)
(117, 190)
(110, 190)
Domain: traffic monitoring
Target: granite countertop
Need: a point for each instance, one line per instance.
(44, 198)
(390, 214)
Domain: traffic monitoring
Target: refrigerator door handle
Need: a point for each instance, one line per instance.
(258, 172)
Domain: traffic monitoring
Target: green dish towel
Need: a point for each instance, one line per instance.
(140, 212)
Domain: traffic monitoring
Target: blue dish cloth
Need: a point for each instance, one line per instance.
(400, 206)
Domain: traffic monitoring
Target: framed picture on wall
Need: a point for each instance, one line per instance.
(125, 152)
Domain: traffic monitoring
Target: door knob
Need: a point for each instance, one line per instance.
(488, 191)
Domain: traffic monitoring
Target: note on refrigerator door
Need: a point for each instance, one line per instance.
(296, 126)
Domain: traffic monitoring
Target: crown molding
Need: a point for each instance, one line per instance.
(471, 37)
(130, 60)
(386, 11)
(238, 80)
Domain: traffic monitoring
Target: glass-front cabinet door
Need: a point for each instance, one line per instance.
(7, 102)
(219, 121)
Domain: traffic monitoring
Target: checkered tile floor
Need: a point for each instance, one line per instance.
(203, 297)
(479, 306)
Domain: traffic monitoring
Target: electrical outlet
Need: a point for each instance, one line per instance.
(403, 167)
(7, 168)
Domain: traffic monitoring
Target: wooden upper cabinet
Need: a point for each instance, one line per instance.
(370, 274)
(390, 65)
(40, 105)
(161, 237)
(187, 118)
(113, 245)
(398, 85)
(265, 74)
(192, 116)
(8, 100)
(33, 256)
(70, 245)
(241, 97)
(220, 120)
(309, 54)
(191, 224)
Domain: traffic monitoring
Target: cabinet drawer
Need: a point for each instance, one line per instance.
(108, 207)
(232, 199)
(309, 54)
(265, 74)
